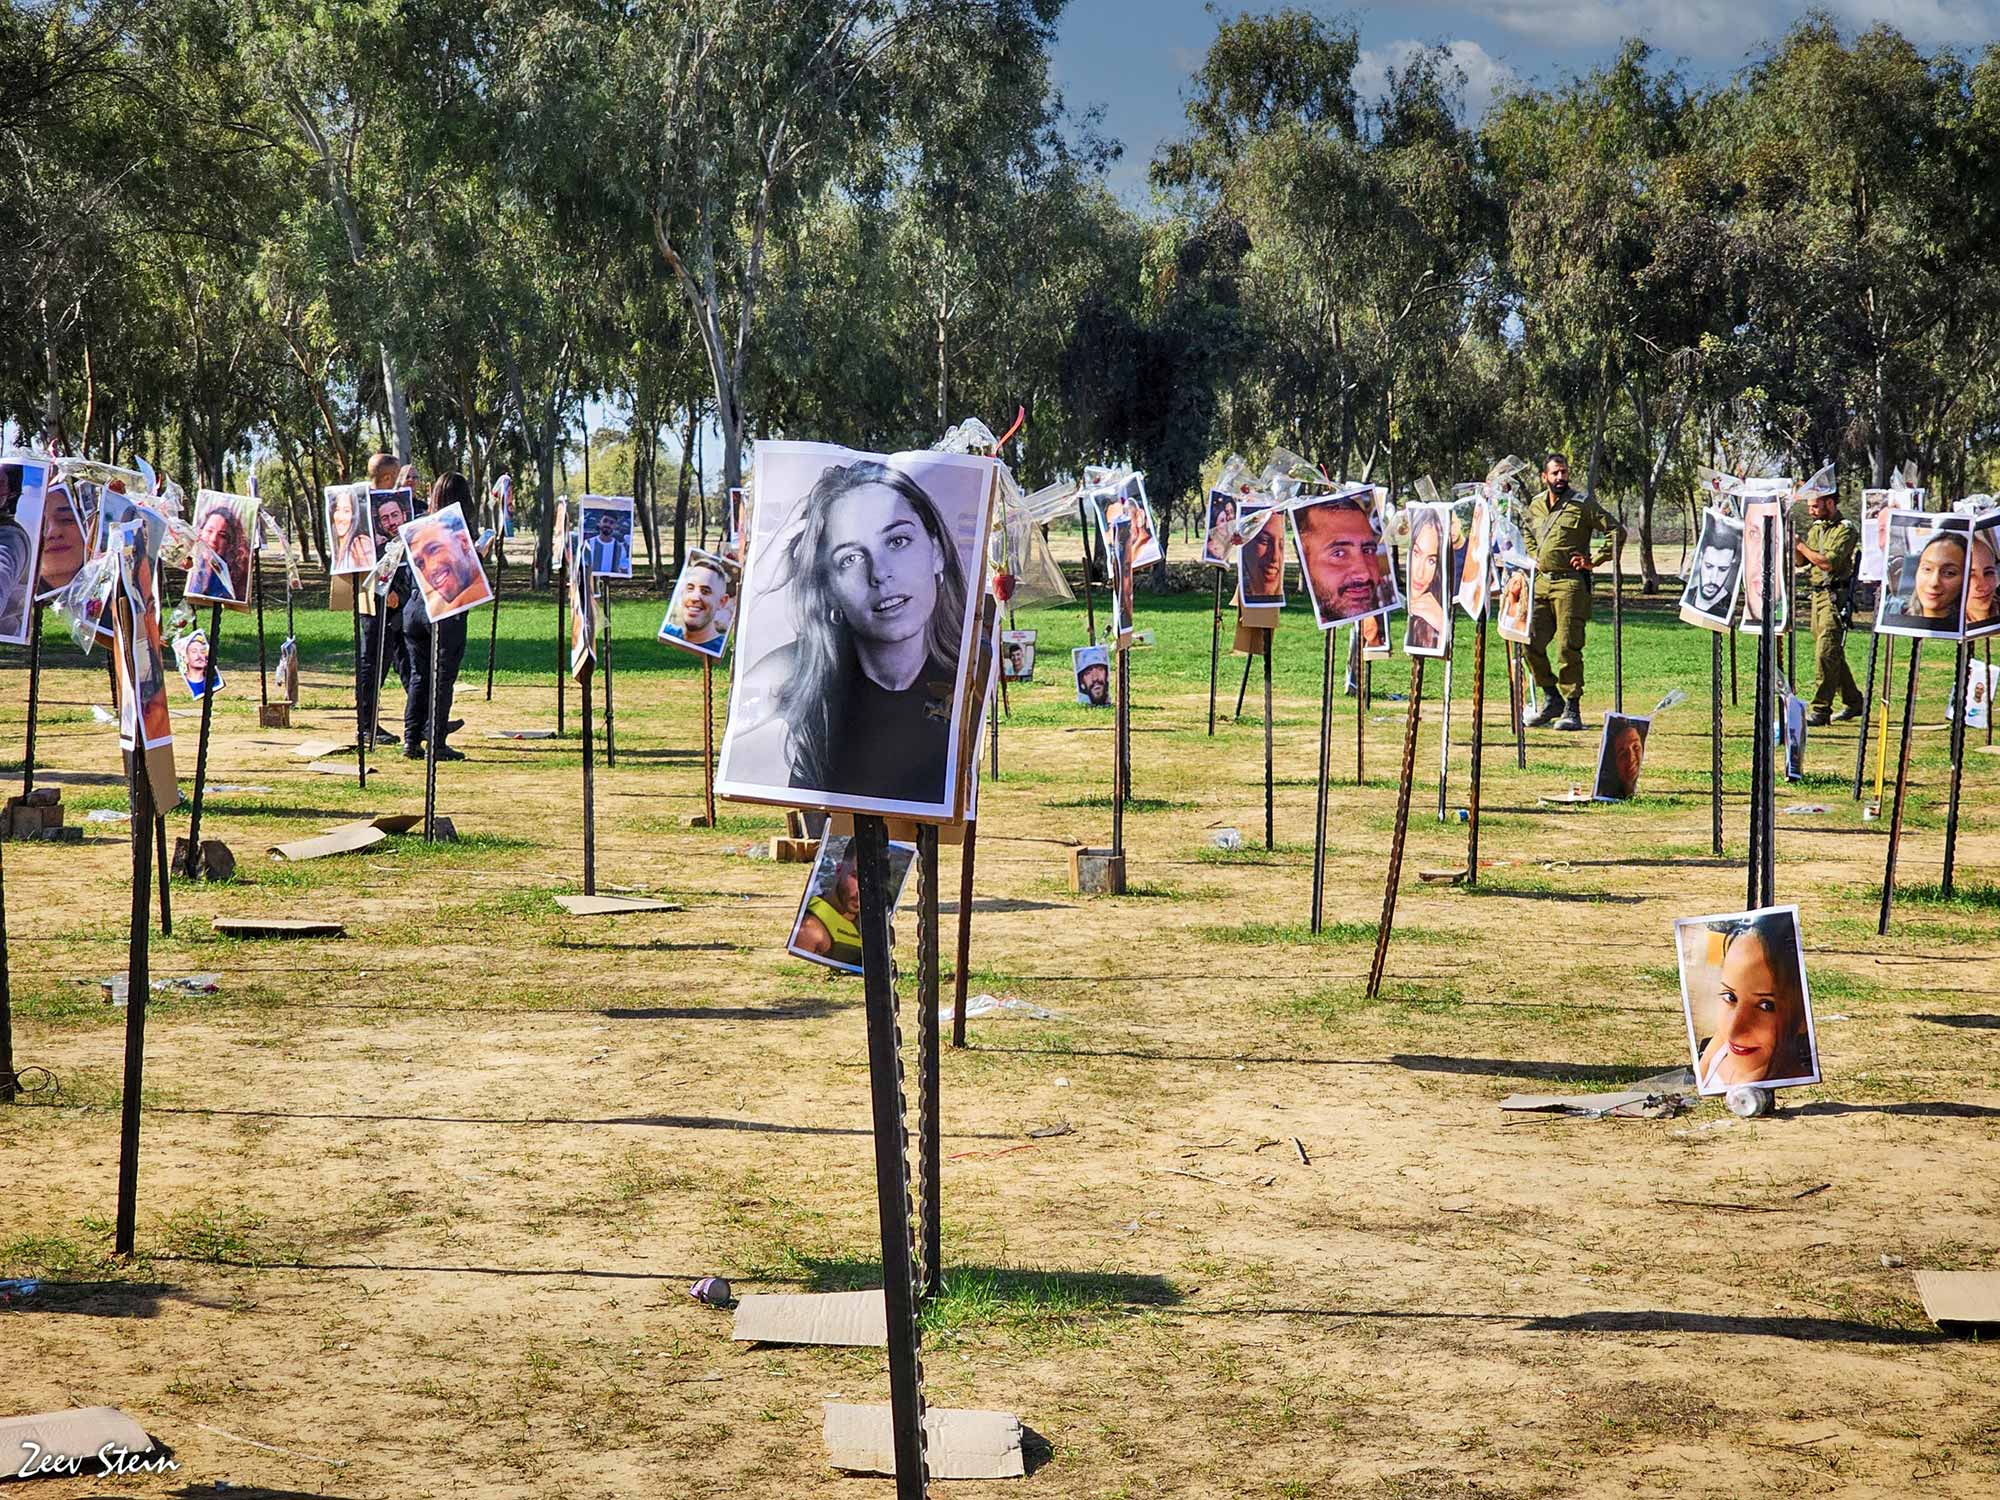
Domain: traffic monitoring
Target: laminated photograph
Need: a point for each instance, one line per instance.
(1218, 530)
(605, 524)
(1091, 666)
(1427, 627)
(856, 630)
(1982, 608)
(1517, 599)
(1620, 755)
(1127, 501)
(703, 607)
(1120, 541)
(350, 530)
(1708, 599)
(1472, 546)
(445, 560)
(1348, 568)
(226, 528)
(389, 509)
(1260, 565)
(1926, 574)
(827, 929)
(1748, 1007)
(65, 537)
(1017, 655)
(23, 490)
(582, 617)
(191, 655)
(1757, 514)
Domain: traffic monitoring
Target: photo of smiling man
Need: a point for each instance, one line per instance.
(704, 607)
(446, 564)
(1349, 570)
(1749, 1009)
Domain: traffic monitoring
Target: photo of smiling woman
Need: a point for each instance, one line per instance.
(1260, 565)
(1925, 587)
(1749, 1011)
(223, 524)
(1982, 586)
(1428, 631)
(64, 544)
(349, 533)
(855, 630)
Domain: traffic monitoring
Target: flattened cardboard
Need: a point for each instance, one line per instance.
(278, 927)
(80, 1433)
(1960, 1298)
(349, 838)
(314, 749)
(957, 1444)
(605, 906)
(520, 734)
(844, 1319)
(388, 823)
(901, 830)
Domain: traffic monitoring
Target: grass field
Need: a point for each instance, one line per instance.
(419, 1207)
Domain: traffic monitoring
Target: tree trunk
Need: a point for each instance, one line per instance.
(681, 502)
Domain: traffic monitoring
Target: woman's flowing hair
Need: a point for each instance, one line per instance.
(234, 539)
(1776, 933)
(1429, 520)
(450, 489)
(813, 701)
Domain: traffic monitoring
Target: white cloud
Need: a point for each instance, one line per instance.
(1486, 77)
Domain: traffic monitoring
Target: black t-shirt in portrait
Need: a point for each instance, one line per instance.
(893, 745)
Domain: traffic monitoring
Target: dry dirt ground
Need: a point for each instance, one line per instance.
(419, 1208)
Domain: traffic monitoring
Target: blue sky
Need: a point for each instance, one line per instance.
(1134, 57)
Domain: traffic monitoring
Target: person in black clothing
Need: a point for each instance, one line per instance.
(450, 489)
(881, 599)
(381, 641)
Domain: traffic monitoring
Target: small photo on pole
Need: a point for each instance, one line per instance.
(23, 488)
(1926, 576)
(1017, 655)
(1427, 631)
(1757, 514)
(1260, 565)
(65, 535)
(1982, 584)
(391, 508)
(1748, 1007)
(827, 929)
(606, 528)
(1621, 753)
(192, 657)
(1374, 637)
(1715, 573)
(225, 526)
(582, 618)
(1126, 500)
(1517, 599)
(703, 607)
(1091, 666)
(445, 560)
(1218, 530)
(1472, 550)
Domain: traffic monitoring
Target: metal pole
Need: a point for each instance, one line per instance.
(34, 695)
(708, 739)
(1868, 708)
(1361, 665)
(1962, 665)
(1325, 764)
(1732, 669)
(140, 793)
(1760, 741)
(1382, 927)
(892, 1166)
(961, 973)
(1118, 727)
(1715, 742)
(1242, 688)
(1882, 736)
(1214, 650)
(559, 658)
(930, 1170)
(1478, 735)
(1089, 593)
(1270, 819)
(1520, 695)
(160, 864)
(1902, 787)
(201, 748)
(9, 1079)
(1444, 740)
(610, 727)
(1767, 783)
(362, 736)
(589, 804)
(1618, 618)
(431, 727)
(493, 634)
(263, 658)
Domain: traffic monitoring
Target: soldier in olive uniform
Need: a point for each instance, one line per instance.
(1831, 546)
(1563, 523)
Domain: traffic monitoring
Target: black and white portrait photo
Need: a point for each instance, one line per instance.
(1715, 572)
(855, 630)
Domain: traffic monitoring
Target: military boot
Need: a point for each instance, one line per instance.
(1572, 717)
(1552, 708)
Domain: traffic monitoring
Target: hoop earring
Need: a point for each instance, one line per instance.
(833, 615)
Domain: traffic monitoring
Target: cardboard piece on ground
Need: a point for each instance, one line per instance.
(278, 927)
(80, 1433)
(840, 825)
(1568, 799)
(605, 906)
(388, 823)
(349, 838)
(852, 1319)
(957, 1444)
(335, 768)
(314, 749)
(520, 734)
(1969, 1298)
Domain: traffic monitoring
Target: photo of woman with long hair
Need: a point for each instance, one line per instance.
(65, 540)
(1982, 584)
(1925, 588)
(222, 524)
(1749, 1012)
(854, 629)
(1428, 631)
(350, 533)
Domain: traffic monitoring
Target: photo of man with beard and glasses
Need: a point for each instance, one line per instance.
(1749, 1009)
(827, 929)
(855, 631)
(1620, 754)
(704, 606)
(1260, 566)
(1709, 597)
(1349, 571)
